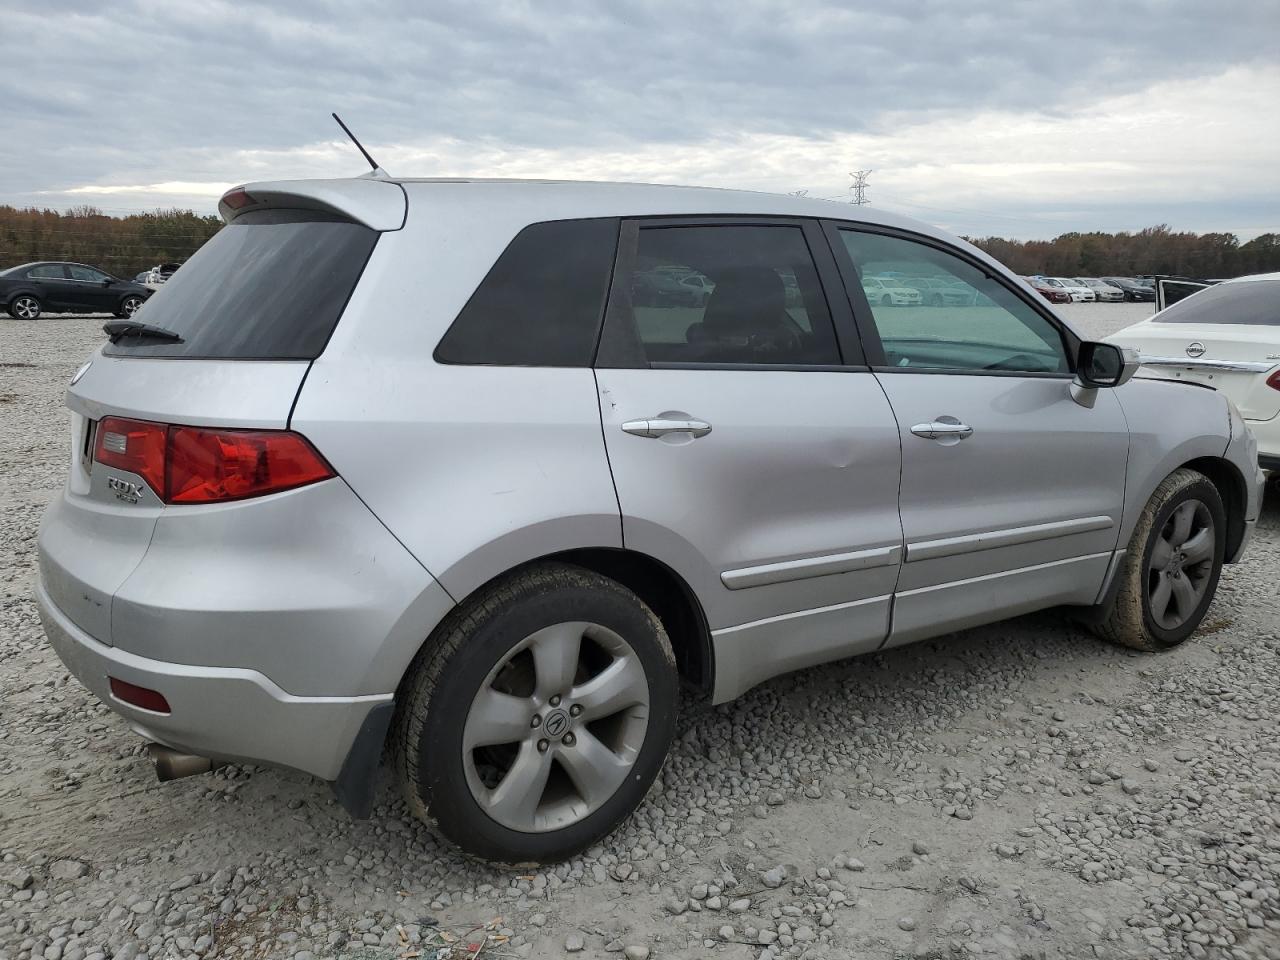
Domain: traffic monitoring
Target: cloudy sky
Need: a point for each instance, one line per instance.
(1022, 118)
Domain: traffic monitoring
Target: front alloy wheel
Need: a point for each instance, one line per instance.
(1170, 569)
(1180, 564)
(130, 306)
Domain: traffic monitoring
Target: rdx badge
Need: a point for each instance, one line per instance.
(124, 489)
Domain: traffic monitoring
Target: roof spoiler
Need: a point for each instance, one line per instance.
(377, 203)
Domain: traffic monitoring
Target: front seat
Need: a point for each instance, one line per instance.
(745, 320)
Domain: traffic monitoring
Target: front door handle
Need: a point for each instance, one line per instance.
(661, 426)
(944, 428)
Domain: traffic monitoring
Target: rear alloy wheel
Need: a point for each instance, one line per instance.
(24, 307)
(1170, 571)
(129, 306)
(536, 719)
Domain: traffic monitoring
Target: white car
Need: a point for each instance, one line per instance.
(1103, 291)
(1226, 336)
(1077, 291)
(886, 292)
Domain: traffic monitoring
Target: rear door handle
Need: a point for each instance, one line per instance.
(660, 427)
(943, 428)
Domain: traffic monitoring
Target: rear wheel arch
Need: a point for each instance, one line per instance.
(668, 595)
(665, 592)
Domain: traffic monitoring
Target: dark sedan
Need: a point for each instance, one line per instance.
(31, 289)
(1133, 290)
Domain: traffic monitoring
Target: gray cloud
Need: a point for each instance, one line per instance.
(148, 92)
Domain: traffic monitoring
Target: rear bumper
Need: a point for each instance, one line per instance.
(225, 713)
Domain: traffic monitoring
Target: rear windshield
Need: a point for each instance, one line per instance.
(1250, 302)
(269, 286)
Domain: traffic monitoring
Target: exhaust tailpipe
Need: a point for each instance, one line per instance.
(172, 765)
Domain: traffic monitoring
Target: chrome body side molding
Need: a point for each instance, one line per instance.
(990, 539)
(810, 567)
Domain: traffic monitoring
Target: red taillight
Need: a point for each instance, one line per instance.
(137, 696)
(134, 445)
(208, 465)
(212, 465)
(1273, 381)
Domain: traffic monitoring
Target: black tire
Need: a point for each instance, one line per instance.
(886, 301)
(125, 312)
(1131, 621)
(935, 300)
(25, 307)
(436, 697)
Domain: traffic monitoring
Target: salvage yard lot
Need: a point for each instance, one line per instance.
(1017, 790)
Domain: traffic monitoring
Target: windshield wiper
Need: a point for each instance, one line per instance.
(115, 329)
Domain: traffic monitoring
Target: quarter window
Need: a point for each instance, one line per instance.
(726, 294)
(935, 311)
(542, 301)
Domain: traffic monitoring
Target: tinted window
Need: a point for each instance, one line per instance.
(541, 304)
(958, 319)
(727, 294)
(269, 286)
(86, 273)
(1248, 302)
(48, 271)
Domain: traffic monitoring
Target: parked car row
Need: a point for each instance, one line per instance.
(1092, 289)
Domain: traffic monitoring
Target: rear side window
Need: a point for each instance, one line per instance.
(1255, 302)
(269, 286)
(723, 294)
(542, 301)
(50, 271)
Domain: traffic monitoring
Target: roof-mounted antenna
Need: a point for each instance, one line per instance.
(377, 171)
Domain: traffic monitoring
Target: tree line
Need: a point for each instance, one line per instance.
(123, 246)
(1155, 250)
(128, 245)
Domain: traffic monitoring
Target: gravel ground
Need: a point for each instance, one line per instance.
(1020, 791)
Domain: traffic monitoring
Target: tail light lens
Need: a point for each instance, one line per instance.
(1273, 381)
(134, 445)
(209, 465)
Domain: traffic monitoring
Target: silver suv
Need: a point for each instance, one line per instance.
(404, 466)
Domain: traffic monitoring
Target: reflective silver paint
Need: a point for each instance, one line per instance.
(808, 521)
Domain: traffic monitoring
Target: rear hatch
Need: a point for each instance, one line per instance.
(225, 343)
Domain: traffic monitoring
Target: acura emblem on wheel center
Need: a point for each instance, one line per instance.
(1195, 349)
(557, 722)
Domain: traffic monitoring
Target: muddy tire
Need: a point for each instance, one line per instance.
(1171, 568)
(537, 716)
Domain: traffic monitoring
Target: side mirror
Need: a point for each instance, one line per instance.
(107, 282)
(1105, 365)
(1101, 365)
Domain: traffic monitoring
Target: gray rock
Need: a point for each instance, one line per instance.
(574, 943)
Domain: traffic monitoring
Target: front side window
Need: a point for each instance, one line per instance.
(980, 325)
(754, 297)
(48, 271)
(86, 273)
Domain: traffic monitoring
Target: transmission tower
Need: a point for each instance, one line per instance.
(859, 186)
